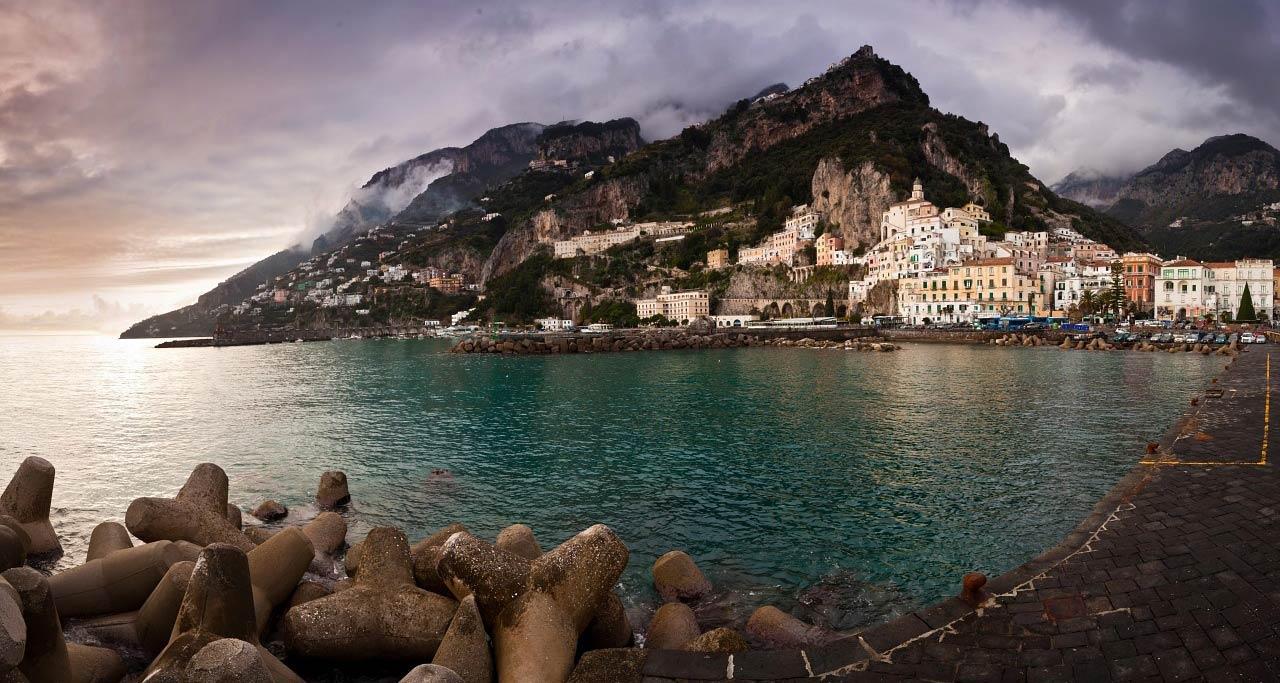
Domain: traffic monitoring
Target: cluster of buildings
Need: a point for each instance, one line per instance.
(343, 279)
(682, 307)
(590, 243)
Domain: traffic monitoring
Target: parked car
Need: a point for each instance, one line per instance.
(1246, 338)
(1192, 338)
(1259, 338)
(1164, 337)
(1220, 338)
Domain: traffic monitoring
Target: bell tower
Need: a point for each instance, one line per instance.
(917, 191)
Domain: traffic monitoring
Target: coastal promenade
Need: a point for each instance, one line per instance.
(1175, 576)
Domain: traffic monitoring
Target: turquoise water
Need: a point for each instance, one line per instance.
(845, 486)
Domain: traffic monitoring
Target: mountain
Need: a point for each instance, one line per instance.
(848, 141)
(1207, 203)
(416, 192)
(1090, 188)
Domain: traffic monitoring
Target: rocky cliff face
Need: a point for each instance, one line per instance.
(1090, 188)
(857, 83)
(936, 153)
(1225, 165)
(594, 207)
(852, 202)
(1183, 183)
(590, 143)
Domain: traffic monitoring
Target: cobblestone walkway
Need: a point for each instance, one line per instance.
(1181, 580)
(1175, 576)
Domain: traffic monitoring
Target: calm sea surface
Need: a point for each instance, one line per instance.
(844, 486)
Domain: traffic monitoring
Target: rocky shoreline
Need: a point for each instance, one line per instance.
(654, 341)
(206, 599)
(1100, 344)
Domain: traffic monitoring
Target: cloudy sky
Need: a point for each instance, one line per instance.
(150, 149)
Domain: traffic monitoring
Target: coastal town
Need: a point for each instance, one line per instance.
(930, 266)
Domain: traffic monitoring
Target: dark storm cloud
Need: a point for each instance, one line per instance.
(1234, 43)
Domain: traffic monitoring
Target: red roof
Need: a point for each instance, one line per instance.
(1221, 264)
(1183, 262)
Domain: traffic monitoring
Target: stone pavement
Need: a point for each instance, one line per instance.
(1174, 577)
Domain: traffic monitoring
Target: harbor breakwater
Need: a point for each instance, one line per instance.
(204, 593)
(860, 339)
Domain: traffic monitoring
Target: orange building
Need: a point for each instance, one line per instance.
(1140, 271)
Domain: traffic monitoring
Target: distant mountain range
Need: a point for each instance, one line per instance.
(1194, 203)
(417, 191)
(849, 141)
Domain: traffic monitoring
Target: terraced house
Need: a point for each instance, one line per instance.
(964, 293)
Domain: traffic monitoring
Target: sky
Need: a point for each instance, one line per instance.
(150, 149)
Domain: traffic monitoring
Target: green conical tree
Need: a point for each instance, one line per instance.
(831, 305)
(1246, 312)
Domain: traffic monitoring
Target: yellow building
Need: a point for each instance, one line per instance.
(963, 293)
(717, 259)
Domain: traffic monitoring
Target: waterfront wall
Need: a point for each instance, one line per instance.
(862, 339)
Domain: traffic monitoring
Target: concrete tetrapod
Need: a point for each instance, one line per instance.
(424, 555)
(150, 626)
(218, 604)
(518, 539)
(13, 551)
(119, 582)
(107, 538)
(384, 615)
(328, 534)
(275, 567)
(538, 624)
(471, 566)
(673, 626)
(333, 491)
(197, 514)
(48, 658)
(465, 648)
(677, 577)
(610, 627)
(227, 660)
(432, 673)
(27, 499)
(13, 629)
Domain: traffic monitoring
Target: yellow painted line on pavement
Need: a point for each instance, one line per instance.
(1266, 437)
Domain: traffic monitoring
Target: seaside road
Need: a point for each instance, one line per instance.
(1175, 577)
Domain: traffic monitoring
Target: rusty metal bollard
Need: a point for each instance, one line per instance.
(972, 591)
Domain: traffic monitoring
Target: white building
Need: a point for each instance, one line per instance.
(733, 320)
(555, 324)
(1229, 280)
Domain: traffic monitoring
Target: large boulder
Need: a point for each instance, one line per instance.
(198, 513)
(676, 577)
(13, 629)
(384, 615)
(27, 499)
